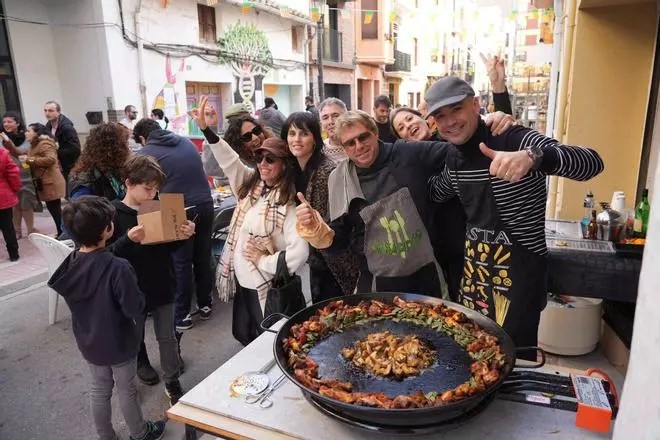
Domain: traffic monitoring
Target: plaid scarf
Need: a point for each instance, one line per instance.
(273, 215)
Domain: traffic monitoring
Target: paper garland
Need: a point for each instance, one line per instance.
(368, 16)
(246, 7)
(315, 13)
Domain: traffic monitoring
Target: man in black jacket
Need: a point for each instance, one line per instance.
(383, 179)
(182, 164)
(66, 136)
(504, 202)
(382, 108)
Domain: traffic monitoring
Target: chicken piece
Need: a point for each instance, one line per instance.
(336, 384)
(375, 400)
(305, 379)
(491, 377)
(447, 396)
(342, 396)
(348, 353)
(404, 401)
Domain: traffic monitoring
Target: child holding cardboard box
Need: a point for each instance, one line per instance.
(154, 267)
(107, 309)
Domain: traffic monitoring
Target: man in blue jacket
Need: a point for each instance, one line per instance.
(182, 164)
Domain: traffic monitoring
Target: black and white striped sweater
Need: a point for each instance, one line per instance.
(521, 205)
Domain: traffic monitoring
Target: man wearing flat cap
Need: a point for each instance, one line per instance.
(504, 201)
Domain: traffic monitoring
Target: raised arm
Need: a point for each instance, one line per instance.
(573, 162)
(227, 158)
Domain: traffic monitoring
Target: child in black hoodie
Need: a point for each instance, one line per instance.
(105, 301)
(154, 267)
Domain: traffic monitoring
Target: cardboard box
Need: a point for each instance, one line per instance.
(161, 218)
(614, 349)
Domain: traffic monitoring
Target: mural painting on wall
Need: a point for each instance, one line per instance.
(167, 99)
(244, 48)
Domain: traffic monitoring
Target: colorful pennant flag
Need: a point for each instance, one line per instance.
(368, 16)
(392, 16)
(513, 15)
(285, 12)
(535, 14)
(316, 13)
(246, 7)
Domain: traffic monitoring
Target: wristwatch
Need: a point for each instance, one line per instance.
(536, 154)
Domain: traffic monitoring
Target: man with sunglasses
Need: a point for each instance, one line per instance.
(378, 206)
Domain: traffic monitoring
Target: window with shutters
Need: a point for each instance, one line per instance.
(369, 21)
(206, 22)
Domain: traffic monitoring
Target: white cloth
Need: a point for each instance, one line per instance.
(288, 239)
(127, 123)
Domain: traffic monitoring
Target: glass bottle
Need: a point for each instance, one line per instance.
(589, 204)
(642, 212)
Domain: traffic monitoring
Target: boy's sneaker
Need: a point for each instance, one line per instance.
(147, 374)
(205, 312)
(174, 391)
(155, 431)
(185, 323)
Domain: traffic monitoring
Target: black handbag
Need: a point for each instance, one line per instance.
(285, 293)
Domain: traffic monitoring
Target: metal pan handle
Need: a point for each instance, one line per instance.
(536, 349)
(268, 321)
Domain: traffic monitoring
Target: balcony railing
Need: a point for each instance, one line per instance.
(332, 45)
(401, 62)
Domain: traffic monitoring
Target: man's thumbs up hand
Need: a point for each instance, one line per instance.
(505, 165)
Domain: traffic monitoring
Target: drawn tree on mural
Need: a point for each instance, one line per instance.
(245, 49)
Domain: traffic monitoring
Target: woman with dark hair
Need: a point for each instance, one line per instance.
(13, 139)
(98, 169)
(159, 116)
(44, 169)
(263, 226)
(244, 135)
(330, 275)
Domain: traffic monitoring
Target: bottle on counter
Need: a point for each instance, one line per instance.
(589, 204)
(592, 227)
(642, 212)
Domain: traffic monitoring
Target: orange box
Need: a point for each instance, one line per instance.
(594, 411)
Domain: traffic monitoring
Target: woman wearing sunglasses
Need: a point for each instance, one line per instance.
(245, 134)
(331, 275)
(263, 226)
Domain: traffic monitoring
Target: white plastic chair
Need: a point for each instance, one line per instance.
(54, 252)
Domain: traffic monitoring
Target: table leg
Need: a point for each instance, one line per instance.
(191, 433)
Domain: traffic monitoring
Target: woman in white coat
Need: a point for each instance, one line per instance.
(263, 225)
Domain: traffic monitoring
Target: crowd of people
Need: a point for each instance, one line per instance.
(436, 200)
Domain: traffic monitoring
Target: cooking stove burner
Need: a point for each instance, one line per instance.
(551, 391)
(443, 426)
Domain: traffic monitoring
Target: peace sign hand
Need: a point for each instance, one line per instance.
(495, 67)
(199, 113)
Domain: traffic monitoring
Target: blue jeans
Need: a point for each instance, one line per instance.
(194, 257)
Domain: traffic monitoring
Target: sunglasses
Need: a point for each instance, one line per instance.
(247, 137)
(361, 138)
(258, 158)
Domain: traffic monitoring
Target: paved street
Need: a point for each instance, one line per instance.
(43, 378)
